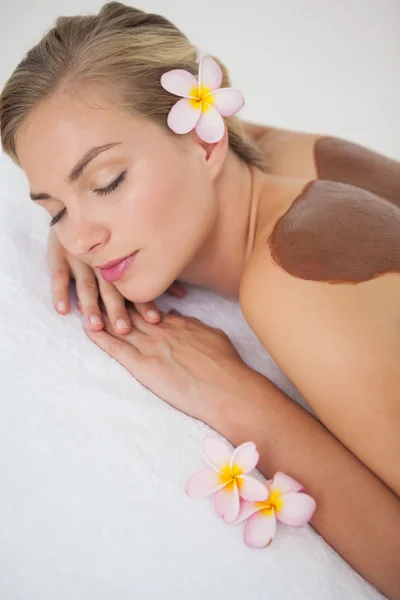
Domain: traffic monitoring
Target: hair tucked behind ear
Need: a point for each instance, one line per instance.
(122, 51)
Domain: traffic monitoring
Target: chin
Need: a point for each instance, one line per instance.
(146, 294)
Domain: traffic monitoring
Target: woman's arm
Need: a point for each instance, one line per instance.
(356, 513)
(196, 369)
(311, 156)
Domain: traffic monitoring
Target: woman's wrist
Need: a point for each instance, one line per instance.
(235, 415)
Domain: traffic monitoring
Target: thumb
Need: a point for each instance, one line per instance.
(126, 354)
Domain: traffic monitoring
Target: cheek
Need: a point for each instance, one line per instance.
(144, 212)
(167, 204)
(153, 201)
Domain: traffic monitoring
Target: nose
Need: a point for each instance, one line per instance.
(84, 236)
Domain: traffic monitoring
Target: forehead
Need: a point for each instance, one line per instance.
(59, 130)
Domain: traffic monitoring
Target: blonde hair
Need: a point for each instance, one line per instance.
(122, 47)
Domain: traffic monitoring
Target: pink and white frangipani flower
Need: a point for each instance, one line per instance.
(284, 503)
(228, 477)
(203, 101)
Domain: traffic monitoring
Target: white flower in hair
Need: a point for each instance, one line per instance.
(203, 101)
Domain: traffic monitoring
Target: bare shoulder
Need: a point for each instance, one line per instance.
(317, 156)
(322, 293)
(330, 241)
(287, 153)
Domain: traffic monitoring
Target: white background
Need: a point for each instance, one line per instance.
(323, 66)
(92, 465)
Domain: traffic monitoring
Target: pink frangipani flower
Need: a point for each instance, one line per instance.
(228, 477)
(284, 503)
(203, 100)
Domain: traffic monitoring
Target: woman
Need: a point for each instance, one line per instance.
(314, 264)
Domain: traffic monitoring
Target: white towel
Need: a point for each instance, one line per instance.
(93, 466)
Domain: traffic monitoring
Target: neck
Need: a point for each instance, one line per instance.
(220, 262)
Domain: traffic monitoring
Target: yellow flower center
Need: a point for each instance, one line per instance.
(198, 101)
(274, 502)
(229, 476)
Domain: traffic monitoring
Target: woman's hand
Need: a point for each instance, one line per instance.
(192, 366)
(91, 291)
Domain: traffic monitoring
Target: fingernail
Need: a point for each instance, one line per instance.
(122, 324)
(95, 320)
(152, 314)
(61, 305)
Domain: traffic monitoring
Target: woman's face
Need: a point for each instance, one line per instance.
(163, 206)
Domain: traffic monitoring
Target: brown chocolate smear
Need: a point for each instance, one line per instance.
(337, 233)
(339, 160)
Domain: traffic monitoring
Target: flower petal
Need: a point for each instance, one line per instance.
(227, 502)
(203, 483)
(285, 483)
(260, 529)
(297, 509)
(179, 82)
(245, 457)
(251, 489)
(227, 101)
(183, 116)
(246, 510)
(210, 127)
(210, 73)
(216, 453)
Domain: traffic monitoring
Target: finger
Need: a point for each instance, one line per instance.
(87, 292)
(60, 278)
(139, 323)
(177, 290)
(176, 319)
(186, 318)
(148, 311)
(135, 338)
(116, 347)
(60, 274)
(112, 302)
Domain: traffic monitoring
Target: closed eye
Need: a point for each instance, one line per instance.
(100, 192)
(112, 186)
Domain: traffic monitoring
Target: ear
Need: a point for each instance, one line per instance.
(215, 154)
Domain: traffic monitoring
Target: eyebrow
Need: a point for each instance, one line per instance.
(78, 169)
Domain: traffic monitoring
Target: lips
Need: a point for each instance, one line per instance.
(111, 263)
(117, 270)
